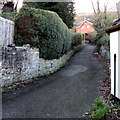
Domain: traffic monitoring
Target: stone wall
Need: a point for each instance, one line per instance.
(20, 64)
(0, 67)
(105, 52)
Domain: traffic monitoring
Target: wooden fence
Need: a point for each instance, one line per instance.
(6, 32)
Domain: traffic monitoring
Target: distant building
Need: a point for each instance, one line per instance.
(80, 17)
(85, 27)
(10, 5)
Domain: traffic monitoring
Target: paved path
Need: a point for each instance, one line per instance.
(67, 93)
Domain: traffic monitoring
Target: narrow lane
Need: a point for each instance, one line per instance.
(67, 93)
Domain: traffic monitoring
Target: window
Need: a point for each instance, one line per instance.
(88, 26)
(82, 27)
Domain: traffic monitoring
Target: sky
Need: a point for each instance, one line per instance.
(85, 6)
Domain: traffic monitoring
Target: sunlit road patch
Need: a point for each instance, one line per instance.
(74, 69)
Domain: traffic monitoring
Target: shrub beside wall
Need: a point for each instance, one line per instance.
(10, 16)
(42, 29)
(103, 46)
(76, 39)
(105, 40)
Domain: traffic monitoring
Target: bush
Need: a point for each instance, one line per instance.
(76, 39)
(43, 29)
(104, 40)
(10, 16)
(99, 109)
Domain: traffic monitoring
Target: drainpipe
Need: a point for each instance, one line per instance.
(84, 39)
(84, 30)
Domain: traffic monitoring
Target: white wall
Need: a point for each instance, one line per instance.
(115, 49)
(6, 32)
(18, 3)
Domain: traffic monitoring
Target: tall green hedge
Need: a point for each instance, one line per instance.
(42, 29)
(76, 39)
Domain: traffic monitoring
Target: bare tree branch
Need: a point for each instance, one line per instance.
(93, 7)
(118, 9)
(98, 5)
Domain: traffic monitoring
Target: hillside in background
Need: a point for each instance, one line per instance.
(80, 17)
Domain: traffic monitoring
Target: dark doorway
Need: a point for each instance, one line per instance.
(115, 74)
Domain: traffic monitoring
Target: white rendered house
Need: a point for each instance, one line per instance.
(18, 4)
(114, 32)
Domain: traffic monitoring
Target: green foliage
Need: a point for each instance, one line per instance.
(43, 29)
(104, 40)
(18, 40)
(10, 16)
(76, 39)
(100, 113)
(99, 109)
(64, 9)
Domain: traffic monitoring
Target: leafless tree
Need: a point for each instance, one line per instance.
(118, 9)
(102, 20)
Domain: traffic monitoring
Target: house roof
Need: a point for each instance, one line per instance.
(116, 22)
(84, 22)
(115, 27)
